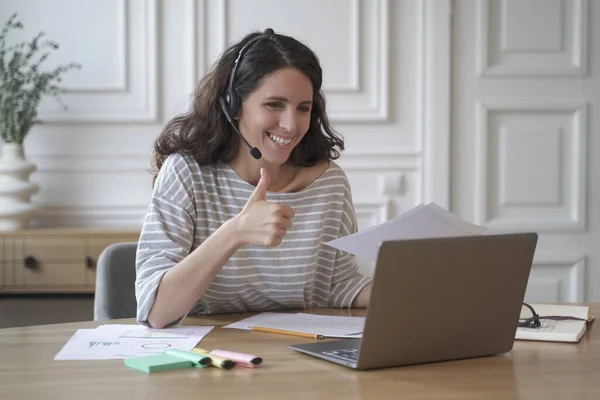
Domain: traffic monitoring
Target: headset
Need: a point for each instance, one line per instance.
(231, 102)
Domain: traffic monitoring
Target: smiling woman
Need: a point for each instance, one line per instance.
(276, 117)
(232, 230)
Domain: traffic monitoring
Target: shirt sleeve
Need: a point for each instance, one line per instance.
(346, 282)
(167, 233)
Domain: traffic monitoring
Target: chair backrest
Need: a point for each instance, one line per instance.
(115, 282)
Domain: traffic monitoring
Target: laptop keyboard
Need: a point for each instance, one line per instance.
(345, 354)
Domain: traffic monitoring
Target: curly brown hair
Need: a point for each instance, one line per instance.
(204, 132)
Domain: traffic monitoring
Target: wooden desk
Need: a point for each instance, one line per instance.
(533, 370)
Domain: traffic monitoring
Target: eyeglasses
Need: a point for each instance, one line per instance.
(534, 321)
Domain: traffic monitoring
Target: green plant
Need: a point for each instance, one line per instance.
(22, 83)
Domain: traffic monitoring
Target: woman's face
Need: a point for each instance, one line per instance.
(276, 116)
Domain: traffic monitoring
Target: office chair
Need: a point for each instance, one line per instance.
(115, 282)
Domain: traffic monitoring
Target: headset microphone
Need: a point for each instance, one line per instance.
(255, 152)
(231, 101)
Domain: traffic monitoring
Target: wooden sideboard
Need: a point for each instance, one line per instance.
(56, 260)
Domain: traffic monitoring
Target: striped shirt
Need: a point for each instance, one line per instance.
(190, 202)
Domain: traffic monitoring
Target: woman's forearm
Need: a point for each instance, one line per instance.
(182, 285)
(362, 298)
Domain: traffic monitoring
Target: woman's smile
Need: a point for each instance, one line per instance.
(280, 141)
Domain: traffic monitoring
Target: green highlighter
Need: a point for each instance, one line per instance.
(157, 363)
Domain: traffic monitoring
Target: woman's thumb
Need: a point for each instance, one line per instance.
(260, 193)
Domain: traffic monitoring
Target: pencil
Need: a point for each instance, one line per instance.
(285, 332)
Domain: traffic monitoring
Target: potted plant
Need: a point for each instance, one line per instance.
(22, 85)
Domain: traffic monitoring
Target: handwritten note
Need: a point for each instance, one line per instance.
(121, 341)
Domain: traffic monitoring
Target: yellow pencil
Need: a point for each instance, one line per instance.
(285, 332)
(219, 362)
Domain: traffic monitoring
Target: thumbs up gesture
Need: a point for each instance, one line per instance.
(262, 223)
(260, 193)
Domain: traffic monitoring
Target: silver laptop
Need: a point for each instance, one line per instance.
(437, 300)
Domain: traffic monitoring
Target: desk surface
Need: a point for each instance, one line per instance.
(531, 370)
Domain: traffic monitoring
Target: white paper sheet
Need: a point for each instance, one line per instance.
(262, 318)
(326, 325)
(141, 332)
(423, 221)
(122, 341)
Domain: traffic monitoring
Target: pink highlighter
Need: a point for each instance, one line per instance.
(242, 359)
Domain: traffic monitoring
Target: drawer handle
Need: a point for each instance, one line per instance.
(30, 262)
(89, 262)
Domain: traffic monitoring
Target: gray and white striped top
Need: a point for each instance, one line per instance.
(190, 202)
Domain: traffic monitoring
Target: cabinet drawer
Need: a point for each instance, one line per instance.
(47, 261)
(54, 260)
(46, 249)
(51, 273)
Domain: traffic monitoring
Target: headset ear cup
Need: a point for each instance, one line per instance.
(227, 102)
(234, 105)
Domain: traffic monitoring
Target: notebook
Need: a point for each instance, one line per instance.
(439, 299)
(556, 331)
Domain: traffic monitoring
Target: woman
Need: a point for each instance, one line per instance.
(232, 228)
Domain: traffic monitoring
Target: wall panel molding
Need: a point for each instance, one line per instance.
(557, 277)
(364, 99)
(136, 99)
(496, 61)
(436, 112)
(373, 211)
(570, 214)
(124, 78)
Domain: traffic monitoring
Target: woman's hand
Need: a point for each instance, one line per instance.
(262, 223)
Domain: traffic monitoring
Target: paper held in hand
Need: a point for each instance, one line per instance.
(420, 222)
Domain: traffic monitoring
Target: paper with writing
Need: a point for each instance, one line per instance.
(122, 341)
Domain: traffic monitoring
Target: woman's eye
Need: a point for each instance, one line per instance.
(275, 105)
(304, 109)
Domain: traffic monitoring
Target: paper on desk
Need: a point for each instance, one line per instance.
(257, 319)
(141, 332)
(121, 341)
(326, 325)
(423, 221)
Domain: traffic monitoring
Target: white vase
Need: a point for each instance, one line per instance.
(16, 209)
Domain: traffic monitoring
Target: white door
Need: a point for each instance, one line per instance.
(526, 133)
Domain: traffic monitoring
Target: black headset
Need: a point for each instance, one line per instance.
(231, 102)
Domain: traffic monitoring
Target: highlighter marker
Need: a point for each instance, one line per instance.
(243, 359)
(219, 362)
(198, 360)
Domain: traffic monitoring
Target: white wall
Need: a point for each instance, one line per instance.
(526, 148)
(142, 59)
(524, 82)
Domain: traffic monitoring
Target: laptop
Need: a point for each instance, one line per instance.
(439, 299)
